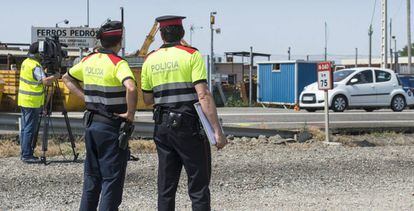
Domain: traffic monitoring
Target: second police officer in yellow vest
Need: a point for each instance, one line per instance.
(110, 93)
(173, 79)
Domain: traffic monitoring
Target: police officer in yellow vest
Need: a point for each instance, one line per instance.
(173, 79)
(31, 98)
(110, 93)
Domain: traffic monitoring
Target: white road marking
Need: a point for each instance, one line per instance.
(251, 113)
(311, 114)
(323, 122)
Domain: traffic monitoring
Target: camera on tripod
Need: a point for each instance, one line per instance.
(52, 55)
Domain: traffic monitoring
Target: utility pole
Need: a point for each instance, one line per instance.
(251, 77)
(326, 41)
(87, 13)
(384, 30)
(395, 54)
(212, 22)
(123, 31)
(289, 53)
(356, 57)
(208, 71)
(409, 34)
(370, 32)
(390, 44)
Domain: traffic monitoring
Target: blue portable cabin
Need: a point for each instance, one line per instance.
(281, 82)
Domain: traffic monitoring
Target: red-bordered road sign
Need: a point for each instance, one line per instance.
(325, 76)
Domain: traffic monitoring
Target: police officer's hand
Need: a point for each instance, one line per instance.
(57, 75)
(128, 116)
(220, 139)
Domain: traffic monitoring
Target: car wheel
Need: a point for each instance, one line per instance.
(310, 109)
(339, 103)
(398, 103)
(369, 109)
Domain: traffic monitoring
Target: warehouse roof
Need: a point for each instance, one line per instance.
(246, 54)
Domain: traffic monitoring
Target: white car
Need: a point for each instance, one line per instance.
(367, 88)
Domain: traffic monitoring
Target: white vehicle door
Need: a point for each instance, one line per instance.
(361, 89)
(384, 86)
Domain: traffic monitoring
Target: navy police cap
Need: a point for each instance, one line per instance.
(110, 29)
(170, 20)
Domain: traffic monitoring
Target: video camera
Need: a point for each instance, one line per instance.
(52, 54)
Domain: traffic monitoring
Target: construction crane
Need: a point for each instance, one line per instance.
(150, 39)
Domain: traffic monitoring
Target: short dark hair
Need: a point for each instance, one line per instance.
(172, 33)
(110, 42)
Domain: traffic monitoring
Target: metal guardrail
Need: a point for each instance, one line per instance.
(10, 121)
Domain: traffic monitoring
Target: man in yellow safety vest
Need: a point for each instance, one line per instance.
(31, 98)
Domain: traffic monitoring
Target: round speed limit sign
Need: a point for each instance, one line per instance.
(325, 79)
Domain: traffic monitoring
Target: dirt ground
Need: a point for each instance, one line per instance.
(368, 172)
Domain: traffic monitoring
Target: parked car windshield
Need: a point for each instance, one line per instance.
(342, 74)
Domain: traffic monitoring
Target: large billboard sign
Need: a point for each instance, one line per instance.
(74, 37)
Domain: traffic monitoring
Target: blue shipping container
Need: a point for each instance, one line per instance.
(281, 82)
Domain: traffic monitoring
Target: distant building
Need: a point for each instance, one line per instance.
(401, 67)
(232, 73)
(229, 71)
(281, 82)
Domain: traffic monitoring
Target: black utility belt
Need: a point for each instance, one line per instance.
(90, 117)
(125, 128)
(171, 118)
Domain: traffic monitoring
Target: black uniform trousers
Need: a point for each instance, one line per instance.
(105, 167)
(177, 147)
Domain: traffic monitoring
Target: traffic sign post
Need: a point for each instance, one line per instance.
(325, 82)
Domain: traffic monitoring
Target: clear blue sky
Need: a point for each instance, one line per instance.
(270, 26)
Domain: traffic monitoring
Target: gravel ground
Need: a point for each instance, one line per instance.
(247, 175)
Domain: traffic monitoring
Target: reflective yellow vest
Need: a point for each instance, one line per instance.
(171, 73)
(103, 74)
(31, 94)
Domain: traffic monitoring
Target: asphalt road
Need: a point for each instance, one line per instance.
(276, 118)
(280, 118)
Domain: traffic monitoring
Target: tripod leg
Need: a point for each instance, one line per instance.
(47, 111)
(68, 127)
(44, 138)
(71, 138)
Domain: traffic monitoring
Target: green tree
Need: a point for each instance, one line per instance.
(404, 51)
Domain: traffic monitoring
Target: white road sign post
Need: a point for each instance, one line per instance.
(325, 82)
(74, 37)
